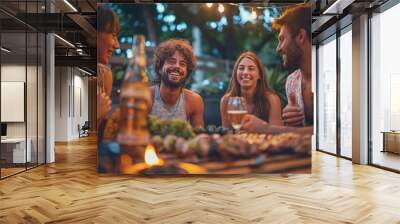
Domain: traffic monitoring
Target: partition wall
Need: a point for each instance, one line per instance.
(23, 91)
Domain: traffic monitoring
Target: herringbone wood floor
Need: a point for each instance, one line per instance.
(70, 191)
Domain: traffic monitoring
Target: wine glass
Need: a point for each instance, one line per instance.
(236, 110)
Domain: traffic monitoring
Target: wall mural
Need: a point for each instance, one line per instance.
(204, 88)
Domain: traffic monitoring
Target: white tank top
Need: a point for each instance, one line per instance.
(160, 110)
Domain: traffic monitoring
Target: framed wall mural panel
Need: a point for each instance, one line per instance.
(204, 88)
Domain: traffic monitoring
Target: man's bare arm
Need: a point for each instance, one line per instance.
(198, 114)
(251, 123)
(223, 112)
(298, 130)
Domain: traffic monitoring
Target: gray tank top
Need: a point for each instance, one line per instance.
(160, 110)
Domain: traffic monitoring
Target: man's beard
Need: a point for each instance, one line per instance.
(171, 84)
(293, 56)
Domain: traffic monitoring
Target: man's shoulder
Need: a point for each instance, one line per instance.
(191, 95)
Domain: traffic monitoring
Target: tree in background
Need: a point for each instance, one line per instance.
(223, 36)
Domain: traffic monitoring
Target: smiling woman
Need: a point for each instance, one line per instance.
(108, 29)
(248, 81)
(107, 43)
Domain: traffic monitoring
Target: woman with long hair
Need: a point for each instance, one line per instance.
(107, 42)
(248, 81)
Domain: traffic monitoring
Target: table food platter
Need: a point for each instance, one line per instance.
(218, 151)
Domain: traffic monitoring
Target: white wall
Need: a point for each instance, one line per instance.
(61, 104)
(13, 73)
(80, 110)
(71, 94)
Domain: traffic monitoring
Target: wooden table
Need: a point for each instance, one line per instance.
(391, 141)
(262, 164)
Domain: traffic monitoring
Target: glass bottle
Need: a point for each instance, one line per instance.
(135, 97)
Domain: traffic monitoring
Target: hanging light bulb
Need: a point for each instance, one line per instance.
(209, 5)
(253, 14)
(221, 8)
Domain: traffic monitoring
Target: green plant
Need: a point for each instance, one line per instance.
(210, 83)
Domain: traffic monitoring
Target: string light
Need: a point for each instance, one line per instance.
(221, 8)
(252, 8)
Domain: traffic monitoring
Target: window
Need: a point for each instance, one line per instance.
(327, 96)
(346, 94)
(385, 85)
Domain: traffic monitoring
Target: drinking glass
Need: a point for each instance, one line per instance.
(236, 110)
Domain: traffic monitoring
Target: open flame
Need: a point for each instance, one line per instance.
(151, 159)
(150, 156)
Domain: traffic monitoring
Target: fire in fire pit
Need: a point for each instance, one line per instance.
(155, 166)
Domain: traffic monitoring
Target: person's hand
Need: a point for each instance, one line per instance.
(251, 123)
(103, 105)
(292, 114)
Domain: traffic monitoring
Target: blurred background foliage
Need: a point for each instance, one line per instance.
(217, 37)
